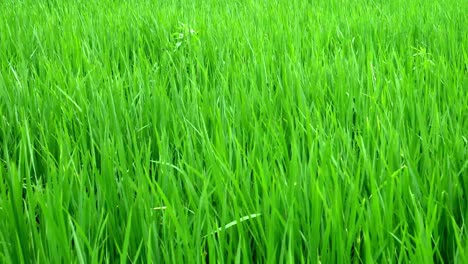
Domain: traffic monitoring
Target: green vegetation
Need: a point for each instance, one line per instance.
(286, 131)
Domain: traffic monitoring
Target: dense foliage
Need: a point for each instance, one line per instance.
(233, 131)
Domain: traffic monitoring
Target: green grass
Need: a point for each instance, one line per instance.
(233, 131)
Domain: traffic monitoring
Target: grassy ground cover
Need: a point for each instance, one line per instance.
(233, 131)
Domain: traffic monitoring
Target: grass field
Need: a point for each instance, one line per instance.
(278, 131)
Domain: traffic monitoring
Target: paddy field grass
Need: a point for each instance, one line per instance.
(233, 131)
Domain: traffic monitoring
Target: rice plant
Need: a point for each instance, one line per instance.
(233, 131)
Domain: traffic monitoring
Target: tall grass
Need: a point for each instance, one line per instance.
(233, 131)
